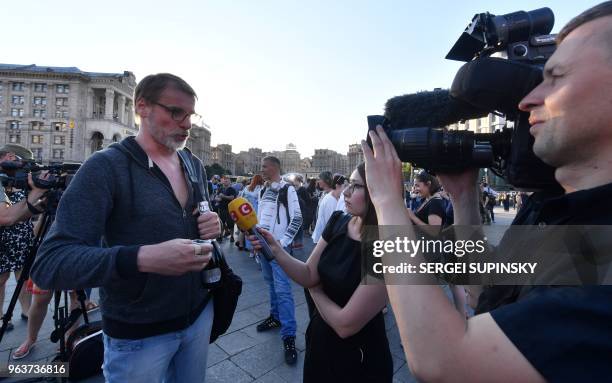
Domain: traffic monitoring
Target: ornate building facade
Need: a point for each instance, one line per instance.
(63, 113)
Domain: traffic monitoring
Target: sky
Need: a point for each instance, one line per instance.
(267, 73)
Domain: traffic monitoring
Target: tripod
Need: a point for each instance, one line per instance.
(62, 320)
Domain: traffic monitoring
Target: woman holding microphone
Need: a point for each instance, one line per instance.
(346, 338)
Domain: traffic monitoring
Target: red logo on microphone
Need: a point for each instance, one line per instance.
(246, 209)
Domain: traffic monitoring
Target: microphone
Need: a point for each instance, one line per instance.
(244, 216)
(432, 109)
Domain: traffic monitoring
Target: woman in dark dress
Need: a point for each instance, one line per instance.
(431, 211)
(430, 216)
(346, 338)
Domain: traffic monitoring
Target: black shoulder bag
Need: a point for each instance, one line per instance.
(225, 297)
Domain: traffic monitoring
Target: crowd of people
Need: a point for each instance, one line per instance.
(128, 221)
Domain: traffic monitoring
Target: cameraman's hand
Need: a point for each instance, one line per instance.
(209, 225)
(463, 190)
(35, 192)
(174, 257)
(383, 171)
(460, 185)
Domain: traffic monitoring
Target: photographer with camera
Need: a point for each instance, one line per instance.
(11, 213)
(138, 198)
(547, 333)
(15, 239)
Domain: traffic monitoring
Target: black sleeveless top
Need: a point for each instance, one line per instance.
(364, 356)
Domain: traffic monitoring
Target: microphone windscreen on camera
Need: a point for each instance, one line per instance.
(429, 109)
(242, 212)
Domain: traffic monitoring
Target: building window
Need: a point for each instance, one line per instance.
(15, 125)
(0, 85)
(58, 154)
(37, 153)
(17, 86)
(59, 126)
(37, 125)
(62, 88)
(59, 140)
(14, 138)
(40, 87)
(16, 112)
(61, 113)
(17, 100)
(37, 139)
(40, 113)
(40, 100)
(61, 101)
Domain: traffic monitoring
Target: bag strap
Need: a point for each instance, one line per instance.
(199, 194)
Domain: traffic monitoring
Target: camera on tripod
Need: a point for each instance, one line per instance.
(15, 174)
(416, 123)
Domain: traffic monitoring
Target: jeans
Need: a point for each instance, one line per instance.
(281, 297)
(178, 356)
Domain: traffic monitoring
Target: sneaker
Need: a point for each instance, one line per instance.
(268, 324)
(290, 352)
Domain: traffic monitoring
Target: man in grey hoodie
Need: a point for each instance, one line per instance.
(135, 197)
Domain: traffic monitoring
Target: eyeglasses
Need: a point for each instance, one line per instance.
(352, 186)
(179, 115)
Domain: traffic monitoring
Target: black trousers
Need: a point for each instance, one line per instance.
(227, 220)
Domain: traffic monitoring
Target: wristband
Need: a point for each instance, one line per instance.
(32, 208)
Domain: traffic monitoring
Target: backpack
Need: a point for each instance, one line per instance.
(283, 198)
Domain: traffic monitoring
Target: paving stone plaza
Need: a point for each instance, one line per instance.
(242, 354)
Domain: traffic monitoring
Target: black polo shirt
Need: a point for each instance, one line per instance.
(228, 192)
(564, 332)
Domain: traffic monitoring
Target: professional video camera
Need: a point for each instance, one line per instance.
(15, 174)
(416, 123)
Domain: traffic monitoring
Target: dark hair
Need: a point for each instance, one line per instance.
(151, 87)
(327, 178)
(434, 184)
(257, 180)
(312, 185)
(338, 180)
(369, 218)
(272, 159)
(601, 10)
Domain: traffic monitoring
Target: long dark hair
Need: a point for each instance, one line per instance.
(432, 182)
(312, 185)
(369, 218)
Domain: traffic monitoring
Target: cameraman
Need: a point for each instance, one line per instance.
(555, 334)
(11, 214)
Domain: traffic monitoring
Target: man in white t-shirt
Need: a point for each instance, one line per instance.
(331, 202)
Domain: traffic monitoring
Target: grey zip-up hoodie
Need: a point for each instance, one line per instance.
(120, 199)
